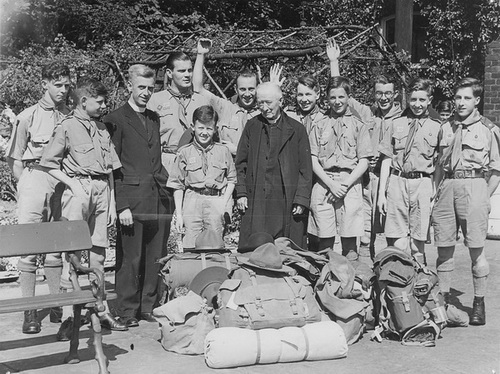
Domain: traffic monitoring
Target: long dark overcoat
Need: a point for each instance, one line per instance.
(296, 174)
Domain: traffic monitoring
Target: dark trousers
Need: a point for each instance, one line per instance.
(137, 280)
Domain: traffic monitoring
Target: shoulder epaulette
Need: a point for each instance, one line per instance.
(487, 122)
(184, 146)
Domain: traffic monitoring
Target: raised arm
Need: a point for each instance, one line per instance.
(202, 49)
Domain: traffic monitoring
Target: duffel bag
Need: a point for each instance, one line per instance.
(341, 294)
(185, 322)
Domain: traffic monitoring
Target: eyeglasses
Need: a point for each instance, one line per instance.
(388, 94)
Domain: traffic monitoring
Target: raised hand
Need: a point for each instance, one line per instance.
(204, 45)
(275, 74)
(332, 49)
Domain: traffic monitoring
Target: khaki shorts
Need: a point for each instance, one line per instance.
(464, 203)
(89, 204)
(35, 192)
(201, 212)
(408, 207)
(343, 217)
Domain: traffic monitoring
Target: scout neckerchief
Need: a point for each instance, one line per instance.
(95, 137)
(308, 118)
(410, 140)
(203, 153)
(181, 100)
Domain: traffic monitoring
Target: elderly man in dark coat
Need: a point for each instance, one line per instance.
(273, 164)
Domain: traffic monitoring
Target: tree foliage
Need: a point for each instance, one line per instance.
(457, 38)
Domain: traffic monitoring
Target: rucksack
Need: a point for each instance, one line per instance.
(258, 300)
(179, 269)
(399, 312)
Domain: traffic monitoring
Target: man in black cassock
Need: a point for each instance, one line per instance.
(273, 164)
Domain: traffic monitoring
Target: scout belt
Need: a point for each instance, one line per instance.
(464, 174)
(410, 174)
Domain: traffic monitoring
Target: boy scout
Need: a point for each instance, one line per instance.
(203, 178)
(35, 187)
(469, 147)
(340, 149)
(232, 116)
(409, 151)
(175, 105)
(81, 155)
(378, 119)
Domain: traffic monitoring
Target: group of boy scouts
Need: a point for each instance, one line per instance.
(299, 172)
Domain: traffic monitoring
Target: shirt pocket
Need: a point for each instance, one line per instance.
(219, 171)
(428, 145)
(349, 148)
(473, 150)
(84, 155)
(399, 141)
(194, 172)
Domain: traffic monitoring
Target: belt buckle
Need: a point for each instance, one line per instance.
(460, 174)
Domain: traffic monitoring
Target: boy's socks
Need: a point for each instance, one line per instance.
(27, 281)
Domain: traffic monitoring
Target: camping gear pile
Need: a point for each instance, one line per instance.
(284, 304)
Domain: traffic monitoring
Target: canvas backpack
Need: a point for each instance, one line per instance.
(179, 269)
(257, 300)
(400, 314)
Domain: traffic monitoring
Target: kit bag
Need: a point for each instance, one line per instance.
(259, 299)
(400, 314)
(343, 296)
(179, 269)
(185, 322)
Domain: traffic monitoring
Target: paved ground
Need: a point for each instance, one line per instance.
(460, 350)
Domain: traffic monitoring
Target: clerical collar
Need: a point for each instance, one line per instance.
(134, 106)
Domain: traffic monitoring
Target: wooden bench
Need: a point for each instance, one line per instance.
(66, 237)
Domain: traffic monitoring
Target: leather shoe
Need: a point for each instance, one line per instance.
(31, 324)
(478, 315)
(111, 323)
(129, 321)
(148, 317)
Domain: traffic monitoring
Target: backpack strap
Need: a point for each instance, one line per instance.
(293, 302)
(258, 298)
(228, 261)
(427, 325)
(203, 260)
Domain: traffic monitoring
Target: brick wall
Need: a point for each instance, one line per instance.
(491, 108)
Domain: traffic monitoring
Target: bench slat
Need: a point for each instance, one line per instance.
(50, 301)
(47, 237)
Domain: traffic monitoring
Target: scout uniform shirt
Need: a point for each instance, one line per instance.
(307, 119)
(81, 147)
(34, 128)
(176, 115)
(412, 151)
(480, 144)
(232, 117)
(340, 142)
(199, 168)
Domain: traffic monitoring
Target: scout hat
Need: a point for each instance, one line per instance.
(207, 282)
(266, 257)
(209, 241)
(255, 240)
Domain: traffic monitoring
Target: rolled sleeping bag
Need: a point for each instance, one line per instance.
(312, 342)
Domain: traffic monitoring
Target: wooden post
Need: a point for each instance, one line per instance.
(404, 25)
